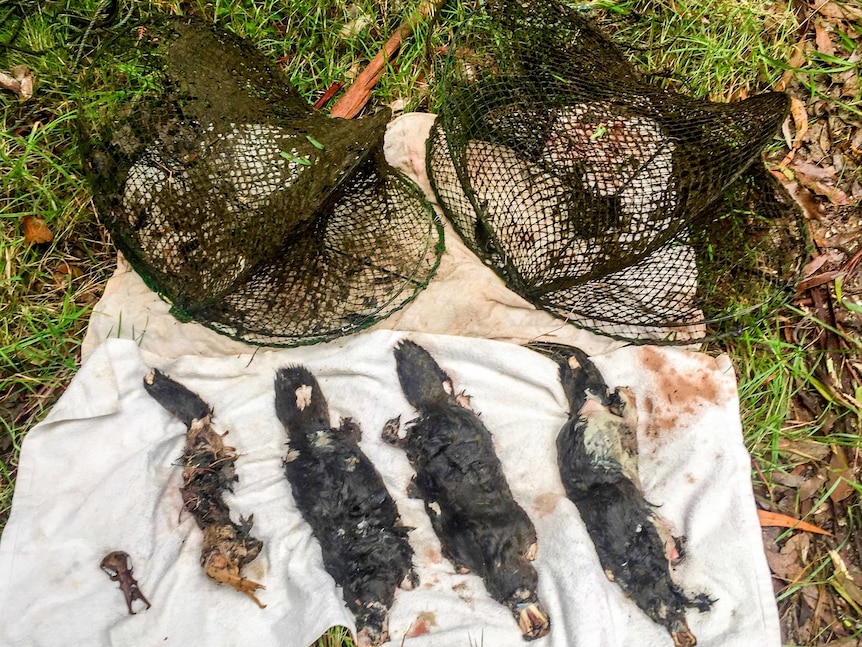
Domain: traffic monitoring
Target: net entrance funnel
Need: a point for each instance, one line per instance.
(236, 201)
(593, 193)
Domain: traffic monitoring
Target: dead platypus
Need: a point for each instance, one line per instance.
(597, 454)
(342, 497)
(208, 471)
(459, 477)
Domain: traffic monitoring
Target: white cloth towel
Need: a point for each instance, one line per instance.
(100, 474)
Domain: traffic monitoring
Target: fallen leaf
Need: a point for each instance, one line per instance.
(832, 193)
(19, 81)
(789, 563)
(796, 61)
(818, 279)
(812, 170)
(839, 11)
(800, 121)
(805, 198)
(822, 39)
(814, 264)
(35, 230)
(785, 131)
(811, 487)
(352, 28)
(779, 520)
(844, 583)
(810, 449)
(839, 475)
(788, 480)
(64, 268)
(824, 140)
(851, 86)
(63, 273)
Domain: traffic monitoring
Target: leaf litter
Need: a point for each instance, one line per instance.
(817, 577)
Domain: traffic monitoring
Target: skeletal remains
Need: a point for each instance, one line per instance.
(116, 565)
(208, 470)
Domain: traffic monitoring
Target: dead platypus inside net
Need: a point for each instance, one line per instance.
(459, 477)
(597, 454)
(208, 470)
(342, 497)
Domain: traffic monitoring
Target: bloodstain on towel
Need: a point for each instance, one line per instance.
(679, 393)
(546, 503)
(422, 625)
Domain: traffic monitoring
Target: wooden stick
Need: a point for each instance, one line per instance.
(323, 100)
(354, 100)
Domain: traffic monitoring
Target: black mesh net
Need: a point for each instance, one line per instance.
(604, 199)
(237, 202)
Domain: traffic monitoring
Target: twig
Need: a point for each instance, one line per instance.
(354, 100)
(324, 99)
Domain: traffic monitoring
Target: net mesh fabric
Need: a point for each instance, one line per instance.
(237, 202)
(596, 195)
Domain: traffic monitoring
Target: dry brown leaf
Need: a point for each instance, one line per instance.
(818, 279)
(851, 86)
(63, 273)
(800, 121)
(835, 195)
(839, 472)
(811, 488)
(785, 131)
(819, 172)
(824, 140)
(814, 264)
(822, 39)
(810, 449)
(789, 563)
(351, 29)
(839, 10)
(35, 230)
(787, 480)
(809, 203)
(796, 61)
(785, 567)
(19, 81)
(778, 520)
(844, 583)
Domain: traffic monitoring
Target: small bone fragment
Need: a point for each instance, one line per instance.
(116, 565)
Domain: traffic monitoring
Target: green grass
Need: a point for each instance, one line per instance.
(47, 291)
(709, 48)
(773, 374)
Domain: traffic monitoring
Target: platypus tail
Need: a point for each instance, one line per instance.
(299, 402)
(422, 379)
(578, 375)
(176, 398)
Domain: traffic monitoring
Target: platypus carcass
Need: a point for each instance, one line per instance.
(597, 454)
(208, 471)
(459, 477)
(342, 497)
